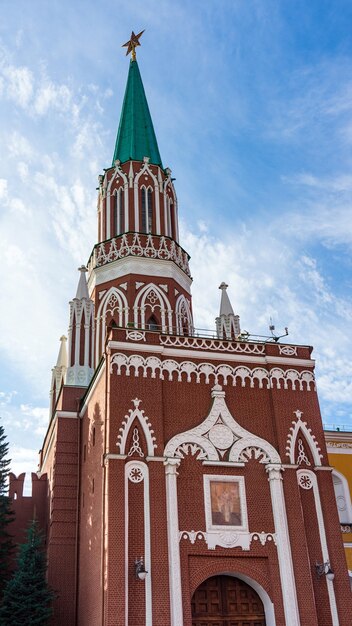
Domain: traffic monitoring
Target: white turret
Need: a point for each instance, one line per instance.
(81, 335)
(227, 324)
(58, 373)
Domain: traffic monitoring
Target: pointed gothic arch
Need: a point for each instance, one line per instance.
(300, 427)
(113, 300)
(184, 321)
(133, 416)
(343, 497)
(146, 169)
(157, 300)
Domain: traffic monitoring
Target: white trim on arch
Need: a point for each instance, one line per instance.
(140, 305)
(343, 498)
(182, 301)
(263, 595)
(121, 305)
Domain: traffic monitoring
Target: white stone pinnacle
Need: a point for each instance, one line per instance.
(225, 305)
(62, 356)
(82, 289)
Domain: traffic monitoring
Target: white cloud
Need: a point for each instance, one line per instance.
(50, 95)
(3, 188)
(19, 84)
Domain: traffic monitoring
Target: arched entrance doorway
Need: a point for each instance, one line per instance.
(226, 601)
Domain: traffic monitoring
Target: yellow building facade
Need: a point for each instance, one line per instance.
(339, 447)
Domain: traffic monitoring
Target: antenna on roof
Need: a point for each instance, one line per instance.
(272, 331)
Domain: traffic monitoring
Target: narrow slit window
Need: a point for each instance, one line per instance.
(147, 210)
(121, 212)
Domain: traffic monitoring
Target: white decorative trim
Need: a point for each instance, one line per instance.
(288, 350)
(137, 471)
(113, 301)
(302, 457)
(209, 373)
(322, 535)
(176, 604)
(346, 528)
(343, 497)
(238, 439)
(136, 414)
(220, 345)
(157, 300)
(287, 576)
(135, 447)
(339, 444)
(130, 244)
(140, 267)
(227, 540)
(300, 426)
(183, 315)
(135, 335)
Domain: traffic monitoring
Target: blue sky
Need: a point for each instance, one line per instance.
(252, 107)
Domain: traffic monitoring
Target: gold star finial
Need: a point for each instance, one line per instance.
(132, 44)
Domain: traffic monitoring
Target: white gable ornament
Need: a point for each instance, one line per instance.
(218, 434)
(136, 414)
(299, 427)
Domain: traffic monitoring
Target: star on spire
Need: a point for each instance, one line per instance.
(132, 44)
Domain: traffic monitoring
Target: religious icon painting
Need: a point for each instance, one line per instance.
(225, 503)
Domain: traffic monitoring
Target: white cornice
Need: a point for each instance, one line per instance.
(212, 356)
(140, 267)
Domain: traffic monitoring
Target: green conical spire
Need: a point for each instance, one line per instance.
(135, 136)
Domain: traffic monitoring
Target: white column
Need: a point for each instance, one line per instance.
(157, 208)
(176, 612)
(307, 480)
(126, 208)
(287, 576)
(136, 208)
(108, 215)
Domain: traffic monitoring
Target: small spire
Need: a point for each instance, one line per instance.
(62, 356)
(227, 324)
(135, 136)
(82, 289)
(132, 44)
(225, 305)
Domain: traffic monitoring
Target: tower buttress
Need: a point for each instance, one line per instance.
(81, 335)
(58, 373)
(227, 324)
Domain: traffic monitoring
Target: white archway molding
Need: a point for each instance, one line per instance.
(158, 299)
(113, 300)
(262, 593)
(145, 169)
(300, 427)
(220, 432)
(343, 497)
(183, 311)
(136, 415)
(118, 172)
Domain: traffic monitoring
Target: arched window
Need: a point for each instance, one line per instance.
(119, 212)
(152, 323)
(147, 210)
(168, 216)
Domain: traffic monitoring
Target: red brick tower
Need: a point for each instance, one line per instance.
(188, 480)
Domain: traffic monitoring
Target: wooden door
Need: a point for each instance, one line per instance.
(226, 601)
